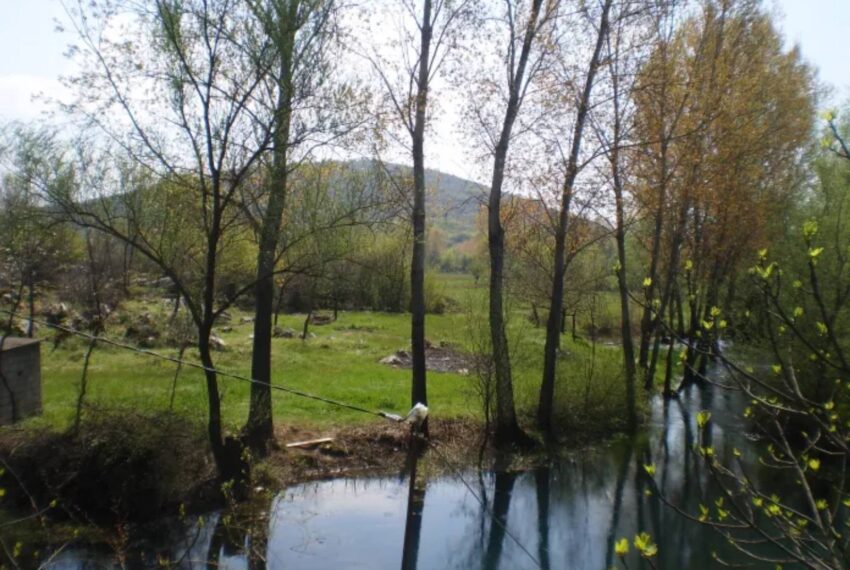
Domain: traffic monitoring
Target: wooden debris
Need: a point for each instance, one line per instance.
(310, 442)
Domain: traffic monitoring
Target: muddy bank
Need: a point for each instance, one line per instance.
(125, 468)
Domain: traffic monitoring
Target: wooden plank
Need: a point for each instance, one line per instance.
(310, 442)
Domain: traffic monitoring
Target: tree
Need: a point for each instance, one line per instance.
(408, 86)
(798, 405)
(722, 109)
(171, 88)
(525, 53)
(35, 245)
(296, 68)
(571, 170)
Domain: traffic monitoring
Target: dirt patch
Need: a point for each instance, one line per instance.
(368, 449)
(438, 358)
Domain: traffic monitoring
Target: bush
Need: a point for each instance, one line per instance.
(118, 466)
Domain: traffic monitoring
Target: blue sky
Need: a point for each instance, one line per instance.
(32, 54)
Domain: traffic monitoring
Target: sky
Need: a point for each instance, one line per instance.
(31, 60)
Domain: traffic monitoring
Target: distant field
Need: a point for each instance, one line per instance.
(341, 363)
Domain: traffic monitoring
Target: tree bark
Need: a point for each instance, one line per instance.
(625, 321)
(507, 428)
(553, 325)
(418, 392)
(259, 428)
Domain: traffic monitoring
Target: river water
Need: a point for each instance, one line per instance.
(565, 515)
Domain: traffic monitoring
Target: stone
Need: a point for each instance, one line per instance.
(391, 360)
(319, 319)
(283, 333)
(217, 343)
(246, 320)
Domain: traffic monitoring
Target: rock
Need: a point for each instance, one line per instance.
(217, 343)
(225, 317)
(463, 371)
(283, 333)
(402, 354)
(319, 319)
(56, 314)
(226, 329)
(392, 360)
(246, 320)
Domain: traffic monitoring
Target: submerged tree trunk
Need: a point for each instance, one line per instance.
(553, 325)
(498, 527)
(418, 392)
(415, 506)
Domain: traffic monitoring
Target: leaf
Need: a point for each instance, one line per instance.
(810, 228)
(621, 548)
(814, 252)
(703, 417)
(650, 469)
(814, 464)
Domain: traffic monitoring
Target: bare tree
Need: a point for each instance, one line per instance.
(171, 95)
(428, 33)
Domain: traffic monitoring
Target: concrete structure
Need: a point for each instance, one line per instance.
(20, 379)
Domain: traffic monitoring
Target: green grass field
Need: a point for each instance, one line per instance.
(340, 363)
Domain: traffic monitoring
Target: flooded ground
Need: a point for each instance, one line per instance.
(566, 515)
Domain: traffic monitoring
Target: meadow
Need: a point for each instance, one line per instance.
(339, 361)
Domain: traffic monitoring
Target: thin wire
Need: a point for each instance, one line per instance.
(433, 446)
(197, 366)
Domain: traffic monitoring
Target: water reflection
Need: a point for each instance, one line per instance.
(566, 515)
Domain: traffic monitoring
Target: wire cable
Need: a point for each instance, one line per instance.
(195, 365)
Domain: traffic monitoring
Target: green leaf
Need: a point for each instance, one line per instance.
(621, 548)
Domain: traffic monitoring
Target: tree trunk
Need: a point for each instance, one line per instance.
(31, 303)
(542, 480)
(501, 505)
(415, 506)
(418, 392)
(507, 429)
(553, 325)
(259, 428)
(625, 321)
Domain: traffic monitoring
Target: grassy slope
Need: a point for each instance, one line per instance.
(340, 363)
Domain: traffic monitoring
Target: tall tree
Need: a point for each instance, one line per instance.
(295, 64)
(171, 88)
(523, 60)
(553, 325)
(408, 86)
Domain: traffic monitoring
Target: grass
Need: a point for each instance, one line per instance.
(340, 363)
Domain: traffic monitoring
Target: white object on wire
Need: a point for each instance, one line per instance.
(416, 415)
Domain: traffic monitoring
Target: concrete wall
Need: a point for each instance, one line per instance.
(20, 373)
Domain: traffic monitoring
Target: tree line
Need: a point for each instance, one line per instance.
(203, 138)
